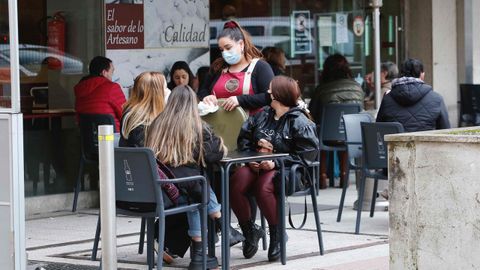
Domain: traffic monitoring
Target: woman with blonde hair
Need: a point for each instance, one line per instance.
(181, 141)
(147, 100)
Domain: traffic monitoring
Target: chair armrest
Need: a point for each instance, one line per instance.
(197, 178)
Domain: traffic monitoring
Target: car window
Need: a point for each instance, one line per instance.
(255, 30)
(213, 32)
(281, 31)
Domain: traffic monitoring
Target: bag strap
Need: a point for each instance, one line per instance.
(247, 80)
(290, 221)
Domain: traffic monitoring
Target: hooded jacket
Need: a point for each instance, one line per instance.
(99, 95)
(338, 91)
(293, 132)
(415, 105)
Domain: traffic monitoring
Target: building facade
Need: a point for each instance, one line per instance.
(45, 48)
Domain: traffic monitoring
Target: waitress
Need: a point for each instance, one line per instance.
(239, 76)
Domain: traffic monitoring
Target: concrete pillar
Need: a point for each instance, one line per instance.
(476, 41)
(430, 29)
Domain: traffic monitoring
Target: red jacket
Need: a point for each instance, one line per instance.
(99, 95)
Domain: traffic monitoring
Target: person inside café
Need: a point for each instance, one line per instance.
(281, 127)
(96, 93)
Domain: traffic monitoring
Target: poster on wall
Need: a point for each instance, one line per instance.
(170, 31)
(342, 28)
(177, 24)
(124, 26)
(325, 35)
(301, 35)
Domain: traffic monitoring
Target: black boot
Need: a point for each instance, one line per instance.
(235, 236)
(274, 246)
(196, 262)
(253, 233)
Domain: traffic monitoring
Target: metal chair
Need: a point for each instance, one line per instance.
(375, 159)
(332, 132)
(469, 105)
(88, 124)
(139, 193)
(311, 173)
(353, 136)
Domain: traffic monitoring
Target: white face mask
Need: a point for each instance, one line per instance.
(231, 57)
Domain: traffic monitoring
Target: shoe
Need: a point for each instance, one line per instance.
(384, 194)
(167, 258)
(196, 262)
(253, 233)
(274, 246)
(235, 236)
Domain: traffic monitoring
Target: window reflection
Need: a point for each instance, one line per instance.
(5, 74)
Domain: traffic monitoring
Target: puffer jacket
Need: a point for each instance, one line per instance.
(339, 91)
(415, 105)
(294, 133)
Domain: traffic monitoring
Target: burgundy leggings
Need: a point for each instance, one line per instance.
(245, 182)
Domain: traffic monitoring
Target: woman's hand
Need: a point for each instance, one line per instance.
(211, 100)
(254, 166)
(267, 165)
(230, 103)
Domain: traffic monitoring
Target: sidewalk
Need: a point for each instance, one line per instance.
(64, 240)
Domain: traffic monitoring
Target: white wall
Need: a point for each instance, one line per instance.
(444, 54)
(476, 41)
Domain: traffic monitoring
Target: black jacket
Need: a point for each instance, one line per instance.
(261, 76)
(415, 105)
(294, 132)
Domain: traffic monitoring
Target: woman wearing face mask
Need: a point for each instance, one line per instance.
(239, 76)
(180, 74)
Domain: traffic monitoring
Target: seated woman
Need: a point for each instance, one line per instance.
(181, 74)
(180, 140)
(282, 127)
(147, 100)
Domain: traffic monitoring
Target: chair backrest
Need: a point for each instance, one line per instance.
(353, 133)
(89, 132)
(227, 125)
(375, 155)
(135, 177)
(332, 126)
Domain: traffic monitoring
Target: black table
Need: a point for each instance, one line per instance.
(225, 165)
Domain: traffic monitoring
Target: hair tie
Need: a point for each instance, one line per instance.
(230, 24)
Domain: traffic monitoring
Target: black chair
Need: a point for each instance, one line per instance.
(139, 193)
(311, 173)
(353, 136)
(375, 160)
(469, 105)
(88, 124)
(332, 131)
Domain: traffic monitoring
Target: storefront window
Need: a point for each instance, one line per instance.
(310, 31)
(5, 85)
(57, 38)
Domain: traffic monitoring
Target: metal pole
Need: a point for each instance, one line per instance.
(376, 4)
(107, 196)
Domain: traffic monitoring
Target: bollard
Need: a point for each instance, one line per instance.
(376, 5)
(107, 196)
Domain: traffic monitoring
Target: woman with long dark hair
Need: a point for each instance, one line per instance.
(239, 76)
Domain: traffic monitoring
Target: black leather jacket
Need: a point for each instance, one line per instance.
(294, 133)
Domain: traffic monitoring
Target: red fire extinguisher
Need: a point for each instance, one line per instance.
(56, 31)
(56, 36)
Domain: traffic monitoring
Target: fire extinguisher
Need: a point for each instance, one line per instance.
(56, 31)
(56, 36)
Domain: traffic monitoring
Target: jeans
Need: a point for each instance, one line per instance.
(194, 216)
